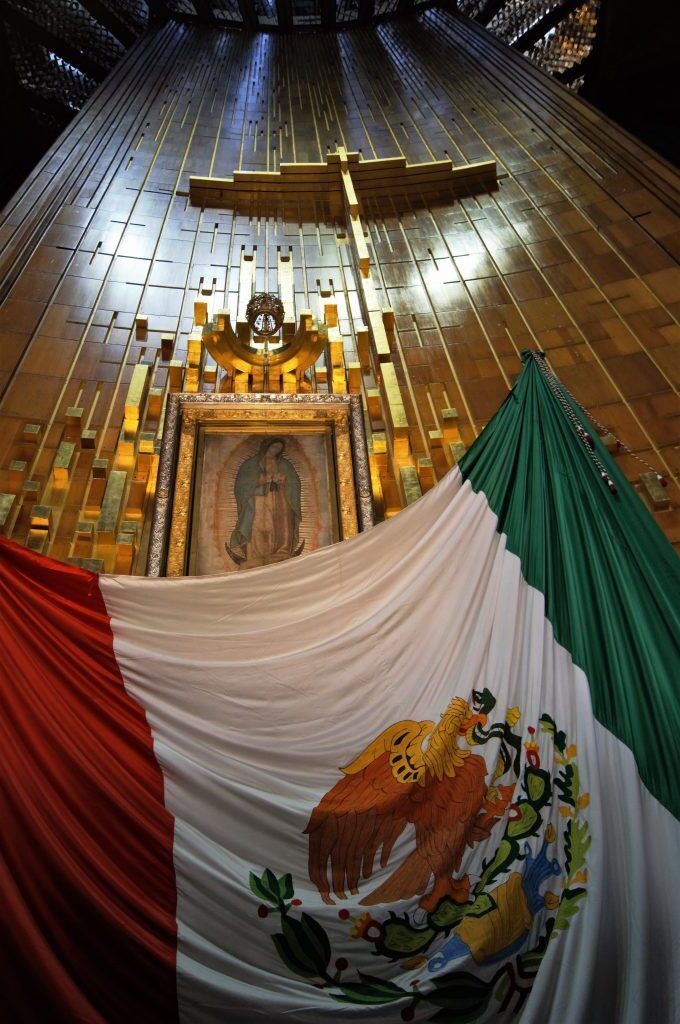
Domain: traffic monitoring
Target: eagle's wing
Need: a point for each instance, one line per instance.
(365, 810)
(444, 814)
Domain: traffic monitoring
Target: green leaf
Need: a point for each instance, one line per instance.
(505, 854)
(568, 908)
(482, 905)
(381, 983)
(529, 960)
(285, 887)
(317, 939)
(270, 882)
(259, 889)
(370, 991)
(537, 784)
(448, 913)
(526, 825)
(401, 939)
(559, 738)
(463, 996)
(502, 987)
(459, 981)
(577, 840)
(289, 959)
(565, 783)
(304, 944)
(575, 783)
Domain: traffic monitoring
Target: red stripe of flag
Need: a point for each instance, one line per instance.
(87, 878)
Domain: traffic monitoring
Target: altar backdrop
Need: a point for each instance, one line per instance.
(429, 773)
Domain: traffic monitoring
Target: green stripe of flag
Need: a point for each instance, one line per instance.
(610, 578)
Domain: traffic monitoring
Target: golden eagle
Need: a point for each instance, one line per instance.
(400, 779)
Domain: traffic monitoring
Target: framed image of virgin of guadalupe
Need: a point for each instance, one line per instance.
(251, 480)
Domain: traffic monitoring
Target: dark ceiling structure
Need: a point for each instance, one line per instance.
(558, 36)
(620, 56)
(54, 53)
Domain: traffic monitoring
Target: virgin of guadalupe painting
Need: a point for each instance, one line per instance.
(250, 482)
(268, 500)
(261, 498)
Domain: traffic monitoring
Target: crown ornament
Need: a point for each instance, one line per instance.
(265, 314)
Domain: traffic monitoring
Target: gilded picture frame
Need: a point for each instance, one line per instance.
(233, 467)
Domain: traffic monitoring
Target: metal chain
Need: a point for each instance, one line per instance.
(560, 391)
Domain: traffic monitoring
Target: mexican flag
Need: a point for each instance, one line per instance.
(430, 773)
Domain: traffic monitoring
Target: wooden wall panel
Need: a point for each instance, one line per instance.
(576, 253)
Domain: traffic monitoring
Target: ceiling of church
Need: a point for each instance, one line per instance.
(57, 51)
(558, 35)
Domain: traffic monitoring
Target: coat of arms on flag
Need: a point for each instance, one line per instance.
(497, 925)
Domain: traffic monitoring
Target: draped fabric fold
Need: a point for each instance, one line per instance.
(86, 838)
(428, 773)
(611, 580)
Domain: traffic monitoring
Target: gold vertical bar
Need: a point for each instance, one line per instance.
(61, 466)
(410, 484)
(6, 502)
(135, 397)
(107, 524)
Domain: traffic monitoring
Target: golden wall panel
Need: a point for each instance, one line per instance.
(575, 252)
